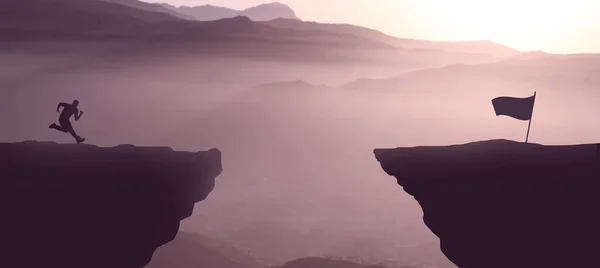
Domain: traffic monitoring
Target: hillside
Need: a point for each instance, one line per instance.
(479, 47)
(270, 11)
(57, 19)
(102, 20)
(205, 12)
(282, 16)
(263, 12)
(158, 33)
(148, 7)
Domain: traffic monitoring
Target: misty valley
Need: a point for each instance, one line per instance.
(296, 108)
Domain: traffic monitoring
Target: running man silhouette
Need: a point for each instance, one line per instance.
(64, 119)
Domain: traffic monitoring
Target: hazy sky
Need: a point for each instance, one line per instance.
(559, 26)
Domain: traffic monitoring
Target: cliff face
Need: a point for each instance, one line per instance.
(506, 204)
(86, 206)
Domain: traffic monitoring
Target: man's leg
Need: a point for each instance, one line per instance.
(77, 138)
(65, 126)
(59, 128)
(71, 131)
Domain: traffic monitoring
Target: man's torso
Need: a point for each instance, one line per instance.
(67, 112)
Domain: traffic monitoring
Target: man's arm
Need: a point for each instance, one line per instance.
(62, 104)
(78, 115)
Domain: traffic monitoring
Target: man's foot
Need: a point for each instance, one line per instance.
(53, 126)
(80, 140)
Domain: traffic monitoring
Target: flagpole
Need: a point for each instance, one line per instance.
(529, 127)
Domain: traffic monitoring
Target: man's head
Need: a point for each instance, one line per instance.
(75, 103)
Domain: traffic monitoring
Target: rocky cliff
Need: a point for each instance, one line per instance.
(506, 204)
(87, 206)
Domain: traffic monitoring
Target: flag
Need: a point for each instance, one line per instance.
(518, 108)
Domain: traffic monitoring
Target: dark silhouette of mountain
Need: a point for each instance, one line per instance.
(60, 18)
(195, 250)
(240, 37)
(78, 205)
(264, 12)
(148, 7)
(255, 36)
(236, 28)
(281, 16)
(73, 19)
(505, 204)
(129, 19)
(205, 12)
(481, 47)
(330, 27)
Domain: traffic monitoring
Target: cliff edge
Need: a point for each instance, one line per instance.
(87, 206)
(503, 204)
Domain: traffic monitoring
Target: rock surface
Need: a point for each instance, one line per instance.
(506, 204)
(87, 206)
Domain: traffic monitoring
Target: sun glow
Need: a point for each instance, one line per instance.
(520, 23)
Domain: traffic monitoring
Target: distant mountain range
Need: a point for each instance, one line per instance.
(132, 19)
(264, 12)
(480, 47)
(149, 7)
(59, 19)
(102, 19)
(552, 74)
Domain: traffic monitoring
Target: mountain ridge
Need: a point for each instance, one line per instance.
(68, 19)
(262, 12)
(479, 46)
(141, 5)
(289, 20)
